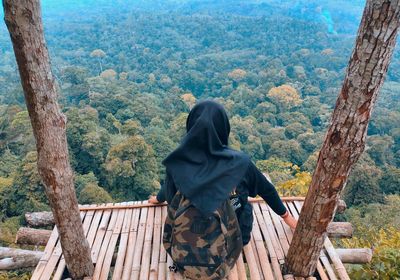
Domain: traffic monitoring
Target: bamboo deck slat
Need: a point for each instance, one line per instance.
(131, 234)
(119, 263)
(320, 268)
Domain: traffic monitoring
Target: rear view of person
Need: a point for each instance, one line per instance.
(207, 186)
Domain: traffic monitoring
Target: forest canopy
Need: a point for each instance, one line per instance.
(130, 73)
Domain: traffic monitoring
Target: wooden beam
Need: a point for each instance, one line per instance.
(11, 258)
(32, 236)
(340, 230)
(39, 219)
(355, 256)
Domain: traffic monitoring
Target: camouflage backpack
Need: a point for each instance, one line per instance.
(202, 247)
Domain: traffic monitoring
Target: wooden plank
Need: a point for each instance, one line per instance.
(55, 257)
(320, 268)
(133, 228)
(100, 233)
(261, 251)
(337, 263)
(253, 247)
(272, 233)
(162, 265)
(155, 253)
(60, 269)
(286, 229)
(104, 245)
(233, 274)
(281, 232)
(137, 257)
(86, 224)
(115, 232)
(146, 254)
(329, 270)
(123, 243)
(135, 204)
(240, 267)
(94, 226)
(251, 262)
(271, 250)
(48, 251)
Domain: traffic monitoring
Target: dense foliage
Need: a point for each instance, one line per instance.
(129, 75)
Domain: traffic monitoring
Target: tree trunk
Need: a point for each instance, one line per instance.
(23, 19)
(345, 139)
(32, 236)
(355, 256)
(39, 219)
(11, 258)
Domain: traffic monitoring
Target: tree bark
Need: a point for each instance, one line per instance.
(340, 230)
(39, 219)
(31, 236)
(355, 256)
(23, 20)
(345, 139)
(11, 258)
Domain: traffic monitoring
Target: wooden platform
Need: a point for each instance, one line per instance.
(126, 244)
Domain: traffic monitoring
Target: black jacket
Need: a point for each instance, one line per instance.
(253, 183)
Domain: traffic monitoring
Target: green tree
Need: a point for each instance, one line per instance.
(99, 55)
(362, 186)
(93, 194)
(132, 127)
(178, 127)
(8, 163)
(379, 149)
(390, 181)
(288, 150)
(162, 145)
(131, 169)
(89, 143)
(26, 192)
(293, 130)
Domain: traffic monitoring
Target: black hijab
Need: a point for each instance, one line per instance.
(203, 167)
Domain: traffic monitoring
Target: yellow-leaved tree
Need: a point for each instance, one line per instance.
(237, 74)
(189, 99)
(288, 179)
(376, 226)
(285, 97)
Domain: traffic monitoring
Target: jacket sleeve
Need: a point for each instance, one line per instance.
(257, 184)
(167, 190)
(161, 194)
